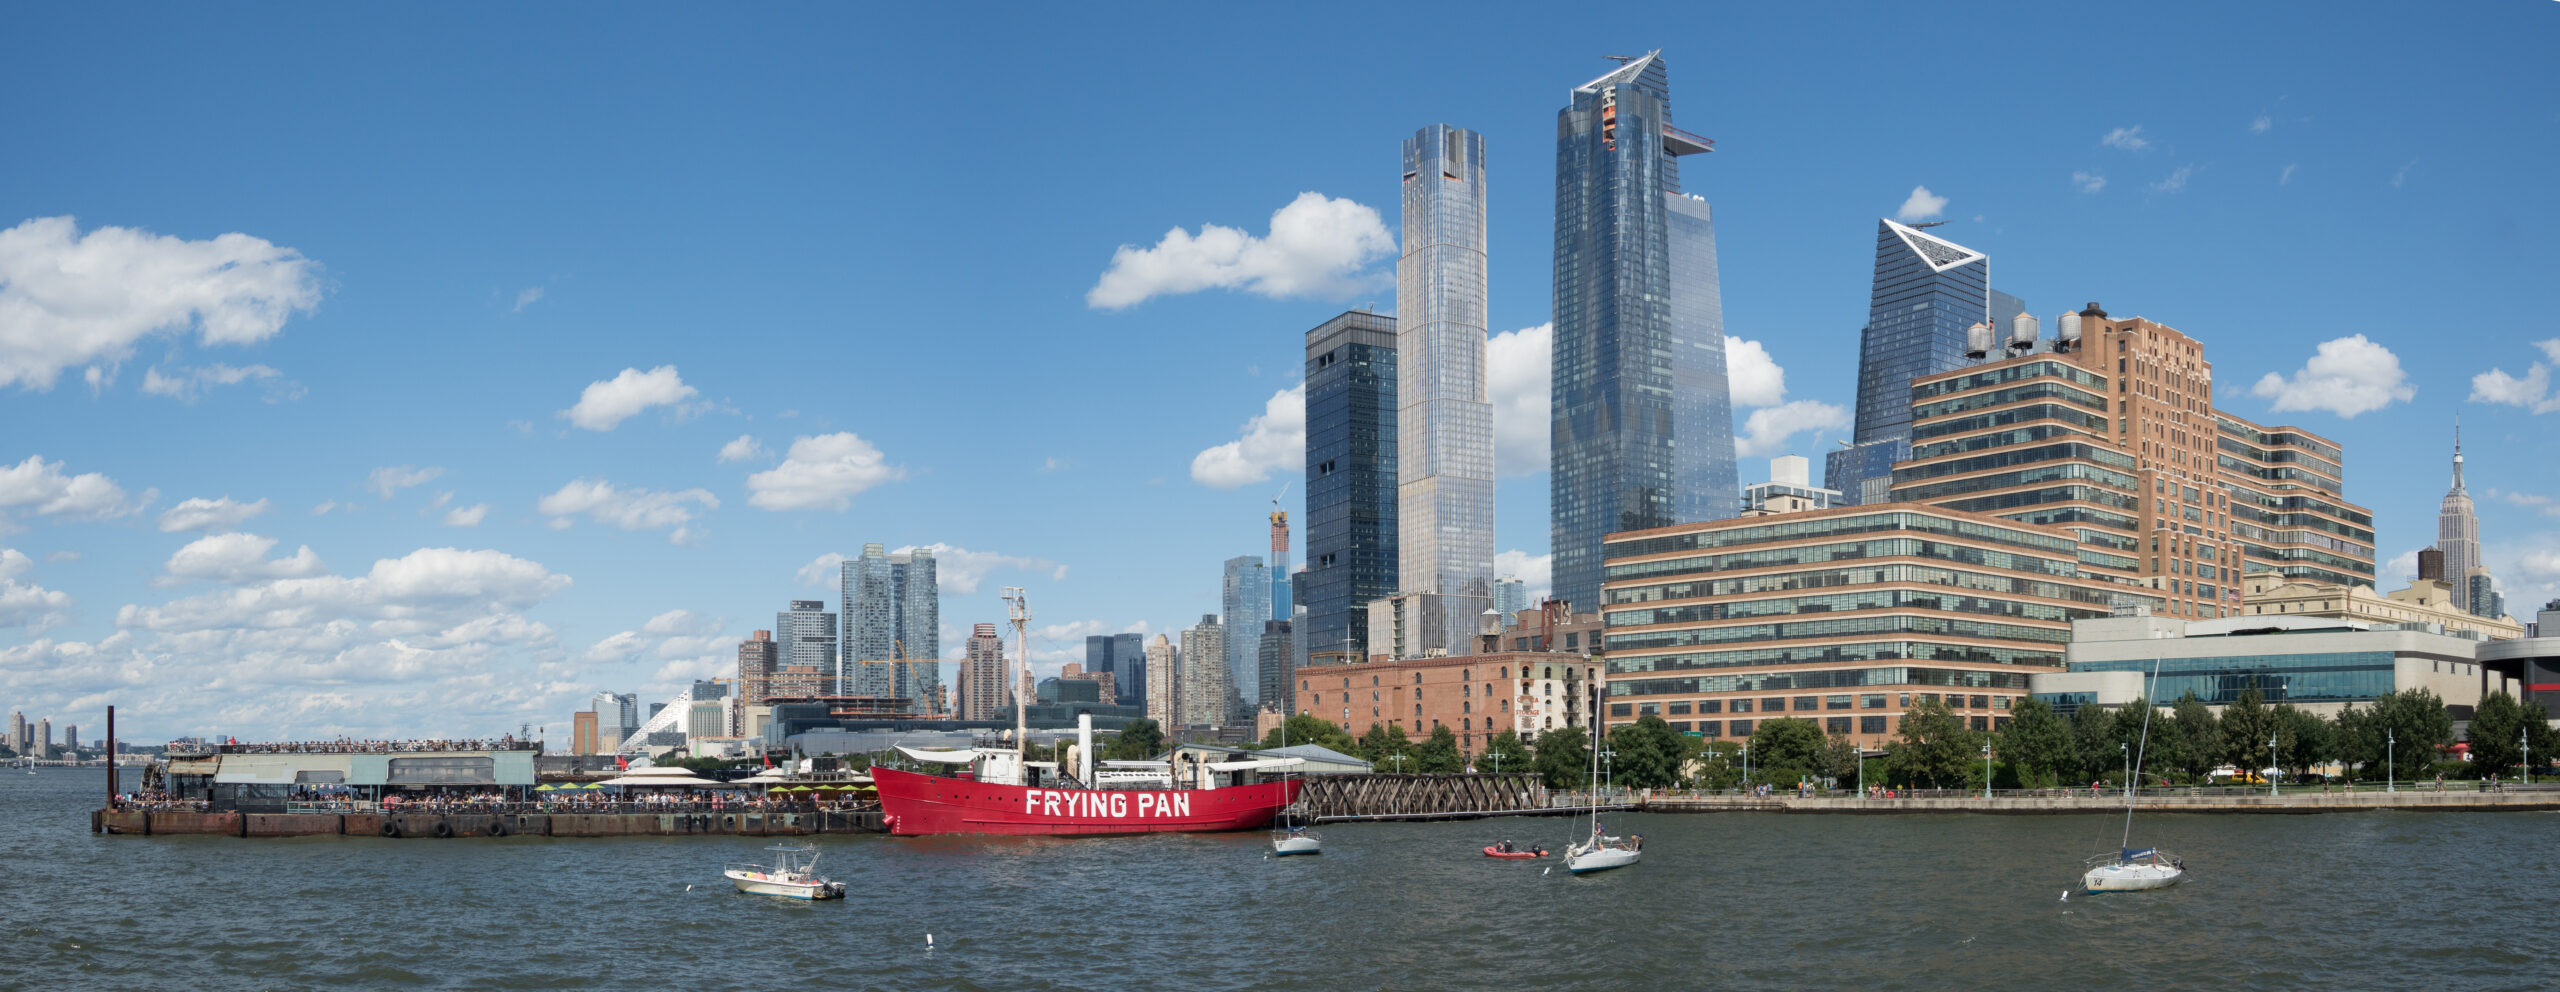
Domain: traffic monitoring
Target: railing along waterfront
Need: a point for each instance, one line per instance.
(354, 747)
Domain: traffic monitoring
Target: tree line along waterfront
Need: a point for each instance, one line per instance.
(2408, 735)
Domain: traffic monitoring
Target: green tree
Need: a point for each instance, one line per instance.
(1840, 760)
(2414, 726)
(2302, 740)
(1564, 758)
(2039, 744)
(1514, 754)
(1383, 743)
(2358, 744)
(2246, 726)
(2496, 728)
(1138, 740)
(2093, 735)
(1934, 750)
(2199, 737)
(1644, 755)
(2537, 723)
(1718, 765)
(1305, 729)
(2147, 736)
(1784, 749)
(1438, 754)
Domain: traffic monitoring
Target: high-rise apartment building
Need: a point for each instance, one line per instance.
(2116, 439)
(1927, 291)
(893, 613)
(43, 743)
(982, 677)
(617, 714)
(71, 737)
(1277, 666)
(583, 738)
(807, 633)
(1245, 602)
(1351, 481)
(1444, 421)
(1164, 682)
(1207, 695)
(1124, 658)
(1643, 414)
(18, 731)
(1510, 596)
(759, 665)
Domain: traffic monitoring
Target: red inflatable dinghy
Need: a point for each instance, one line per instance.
(1514, 855)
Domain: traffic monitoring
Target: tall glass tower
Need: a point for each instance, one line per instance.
(1643, 428)
(1351, 482)
(1245, 599)
(1927, 291)
(1444, 422)
(893, 610)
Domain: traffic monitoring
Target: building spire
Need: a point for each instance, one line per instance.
(2457, 453)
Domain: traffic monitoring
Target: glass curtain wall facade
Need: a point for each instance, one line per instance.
(1245, 599)
(1444, 422)
(893, 610)
(1351, 517)
(1927, 291)
(808, 635)
(1124, 658)
(1643, 418)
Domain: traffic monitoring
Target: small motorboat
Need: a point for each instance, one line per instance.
(793, 874)
(1506, 851)
(2133, 870)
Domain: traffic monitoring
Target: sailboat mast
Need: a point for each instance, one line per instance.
(2149, 706)
(1020, 613)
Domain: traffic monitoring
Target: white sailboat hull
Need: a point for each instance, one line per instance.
(1603, 859)
(2131, 877)
(1296, 844)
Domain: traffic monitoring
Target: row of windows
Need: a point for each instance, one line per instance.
(1855, 576)
(2003, 418)
(1656, 640)
(1734, 537)
(2281, 456)
(1973, 654)
(1807, 704)
(2279, 438)
(1885, 548)
(2308, 677)
(1843, 678)
(1873, 599)
(2118, 494)
(2011, 373)
(1997, 439)
(2278, 474)
(2037, 497)
(2362, 567)
(2072, 451)
(2003, 397)
(2273, 501)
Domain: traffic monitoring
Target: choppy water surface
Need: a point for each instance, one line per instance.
(2450, 901)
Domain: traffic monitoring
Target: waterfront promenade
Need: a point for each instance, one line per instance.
(2453, 798)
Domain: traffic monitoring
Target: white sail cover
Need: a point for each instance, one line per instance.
(1255, 764)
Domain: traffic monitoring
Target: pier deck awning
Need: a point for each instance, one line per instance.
(1255, 765)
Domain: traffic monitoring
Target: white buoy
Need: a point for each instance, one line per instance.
(928, 942)
(2066, 895)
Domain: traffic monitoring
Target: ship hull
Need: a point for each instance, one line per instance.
(918, 805)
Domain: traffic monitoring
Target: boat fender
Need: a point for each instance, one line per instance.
(498, 827)
(443, 829)
(390, 828)
(733, 821)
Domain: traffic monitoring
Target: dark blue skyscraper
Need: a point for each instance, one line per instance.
(1351, 481)
(1124, 657)
(1927, 291)
(1643, 428)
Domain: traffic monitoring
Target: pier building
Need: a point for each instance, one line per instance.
(2319, 664)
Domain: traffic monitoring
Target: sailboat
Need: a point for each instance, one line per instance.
(1599, 851)
(2128, 868)
(1288, 836)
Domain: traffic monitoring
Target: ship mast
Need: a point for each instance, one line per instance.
(1020, 612)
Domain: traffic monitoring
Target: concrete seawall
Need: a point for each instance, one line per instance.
(448, 825)
(2170, 802)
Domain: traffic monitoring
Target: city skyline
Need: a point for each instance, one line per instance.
(311, 502)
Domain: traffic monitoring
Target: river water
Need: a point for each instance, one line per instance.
(1731, 900)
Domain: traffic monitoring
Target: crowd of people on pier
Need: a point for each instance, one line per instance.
(349, 745)
(155, 801)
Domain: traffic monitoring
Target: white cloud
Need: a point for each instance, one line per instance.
(2400, 566)
(2402, 176)
(328, 505)
(237, 559)
(2174, 182)
(466, 516)
(1769, 428)
(1535, 572)
(824, 571)
(386, 481)
(2532, 391)
(824, 472)
(690, 646)
(2128, 138)
(42, 486)
(526, 298)
(745, 448)
(606, 403)
(629, 509)
(25, 604)
(1753, 377)
(1276, 441)
(2088, 182)
(1316, 247)
(70, 299)
(2544, 505)
(2262, 125)
(2285, 178)
(59, 557)
(960, 570)
(2539, 566)
(1921, 205)
(1518, 367)
(2347, 376)
(187, 385)
(208, 514)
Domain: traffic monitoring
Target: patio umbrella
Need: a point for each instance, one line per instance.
(545, 788)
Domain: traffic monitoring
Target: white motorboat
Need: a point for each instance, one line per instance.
(1295, 840)
(2133, 871)
(793, 874)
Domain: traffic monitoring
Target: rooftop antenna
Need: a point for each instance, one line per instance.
(1623, 59)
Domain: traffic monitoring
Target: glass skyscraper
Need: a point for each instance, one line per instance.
(1927, 291)
(1245, 603)
(893, 604)
(1444, 423)
(1124, 658)
(1643, 428)
(808, 635)
(1351, 482)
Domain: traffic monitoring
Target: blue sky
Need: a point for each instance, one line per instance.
(373, 260)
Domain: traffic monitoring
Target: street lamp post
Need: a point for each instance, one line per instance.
(1608, 765)
(2127, 751)
(1399, 762)
(2272, 770)
(1986, 770)
(2524, 739)
(2390, 760)
(1746, 769)
(1859, 755)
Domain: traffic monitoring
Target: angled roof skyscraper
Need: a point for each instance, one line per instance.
(1927, 291)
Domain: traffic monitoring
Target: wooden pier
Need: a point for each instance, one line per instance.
(1345, 798)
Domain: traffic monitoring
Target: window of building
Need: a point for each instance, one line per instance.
(1622, 709)
(1741, 728)
(1680, 708)
(1807, 703)
(1871, 725)
(1713, 705)
(1981, 723)
(1981, 702)
(1743, 705)
(1466, 707)
(1871, 701)
(1572, 640)
(1417, 711)
(1649, 709)
(1906, 700)
(1835, 702)
(1315, 699)
(1506, 706)
(1835, 725)
(1711, 728)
